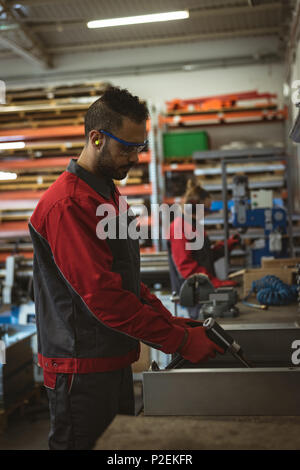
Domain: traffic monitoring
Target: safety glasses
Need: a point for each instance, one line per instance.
(127, 147)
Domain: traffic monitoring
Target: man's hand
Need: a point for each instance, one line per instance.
(234, 241)
(198, 347)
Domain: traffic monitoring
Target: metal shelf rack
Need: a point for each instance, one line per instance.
(245, 156)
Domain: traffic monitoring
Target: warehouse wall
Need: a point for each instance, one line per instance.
(158, 87)
(161, 87)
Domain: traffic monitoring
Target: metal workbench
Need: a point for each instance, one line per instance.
(211, 432)
(223, 386)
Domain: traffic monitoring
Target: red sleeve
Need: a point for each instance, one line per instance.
(183, 259)
(218, 245)
(154, 302)
(86, 263)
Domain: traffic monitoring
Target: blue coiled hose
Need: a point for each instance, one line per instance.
(272, 291)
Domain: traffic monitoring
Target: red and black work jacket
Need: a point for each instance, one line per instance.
(91, 308)
(187, 261)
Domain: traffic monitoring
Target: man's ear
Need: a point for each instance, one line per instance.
(96, 139)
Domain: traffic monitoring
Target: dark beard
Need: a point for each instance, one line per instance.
(106, 168)
(103, 166)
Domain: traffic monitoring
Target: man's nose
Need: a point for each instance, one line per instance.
(134, 156)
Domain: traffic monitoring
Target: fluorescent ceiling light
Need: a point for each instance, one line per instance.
(189, 67)
(171, 15)
(12, 145)
(7, 176)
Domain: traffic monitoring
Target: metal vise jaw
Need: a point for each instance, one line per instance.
(221, 303)
(198, 290)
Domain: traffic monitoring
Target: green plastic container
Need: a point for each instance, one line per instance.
(184, 144)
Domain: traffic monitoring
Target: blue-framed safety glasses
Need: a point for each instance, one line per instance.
(140, 146)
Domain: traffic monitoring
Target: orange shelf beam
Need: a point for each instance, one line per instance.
(14, 229)
(13, 135)
(145, 157)
(228, 117)
(172, 200)
(53, 162)
(244, 95)
(135, 189)
(25, 254)
(13, 195)
(219, 100)
(148, 249)
(39, 163)
(8, 226)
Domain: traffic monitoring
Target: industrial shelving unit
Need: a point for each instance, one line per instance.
(50, 122)
(264, 155)
(208, 166)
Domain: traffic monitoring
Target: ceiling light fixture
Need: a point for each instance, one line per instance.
(7, 176)
(156, 17)
(12, 145)
(189, 67)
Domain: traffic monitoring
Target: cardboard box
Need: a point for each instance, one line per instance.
(279, 262)
(250, 275)
(284, 273)
(283, 268)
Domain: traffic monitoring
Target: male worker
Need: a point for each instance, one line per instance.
(91, 308)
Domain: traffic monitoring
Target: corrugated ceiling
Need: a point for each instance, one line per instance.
(60, 25)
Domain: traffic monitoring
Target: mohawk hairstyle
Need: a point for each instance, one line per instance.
(107, 111)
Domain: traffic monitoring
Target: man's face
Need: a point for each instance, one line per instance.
(116, 159)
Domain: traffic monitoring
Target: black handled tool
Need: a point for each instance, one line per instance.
(219, 336)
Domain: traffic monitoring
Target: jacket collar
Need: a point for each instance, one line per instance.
(103, 186)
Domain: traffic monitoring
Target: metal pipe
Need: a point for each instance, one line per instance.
(225, 216)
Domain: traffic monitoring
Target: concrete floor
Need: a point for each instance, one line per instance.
(30, 430)
(201, 433)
